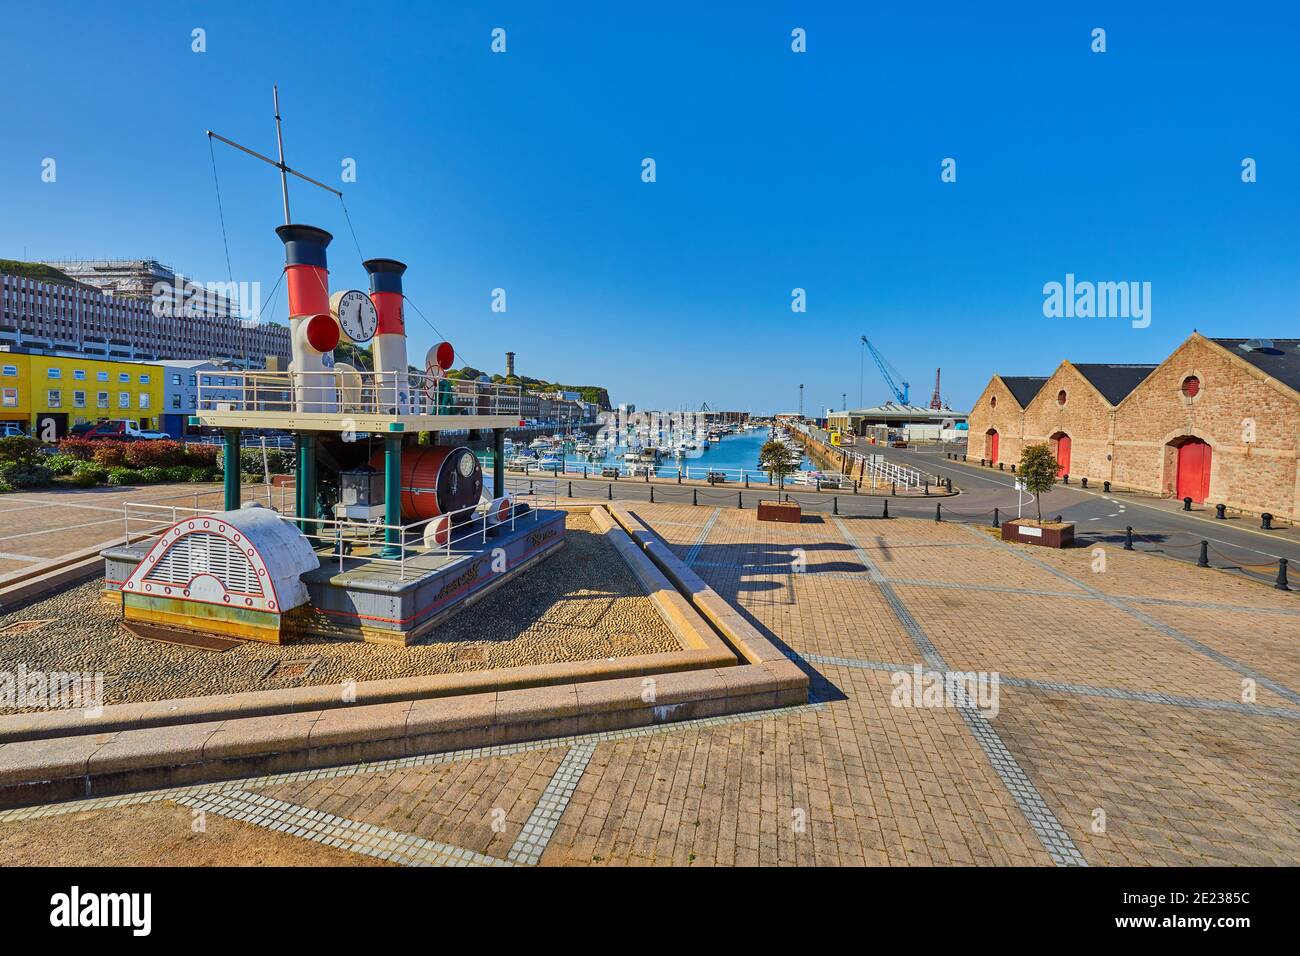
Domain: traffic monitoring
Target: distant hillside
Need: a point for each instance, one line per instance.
(596, 394)
(41, 273)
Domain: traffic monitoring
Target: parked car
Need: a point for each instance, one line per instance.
(79, 430)
(10, 430)
(124, 429)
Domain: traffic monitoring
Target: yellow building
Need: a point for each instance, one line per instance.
(46, 395)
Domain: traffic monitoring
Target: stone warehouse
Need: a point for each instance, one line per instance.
(1218, 422)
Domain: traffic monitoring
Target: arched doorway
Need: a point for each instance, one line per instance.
(1192, 468)
(1061, 452)
(991, 444)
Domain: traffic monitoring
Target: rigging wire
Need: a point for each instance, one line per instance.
(436, 331)
(221, 213)
(348, 217)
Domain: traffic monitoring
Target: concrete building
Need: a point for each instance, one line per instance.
(46, 395)
(148, 279)
(59, 314)
(1218, 421)
(181, 380)
(908, 422)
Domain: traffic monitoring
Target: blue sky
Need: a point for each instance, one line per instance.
(775, 170)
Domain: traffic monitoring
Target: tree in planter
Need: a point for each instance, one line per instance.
(778, 460)
(1037, 469)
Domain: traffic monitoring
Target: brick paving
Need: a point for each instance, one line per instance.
(1121, 735)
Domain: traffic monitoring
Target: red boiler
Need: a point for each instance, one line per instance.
(437, 480)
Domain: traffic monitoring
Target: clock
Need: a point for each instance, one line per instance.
(355, 314)
(466, 465)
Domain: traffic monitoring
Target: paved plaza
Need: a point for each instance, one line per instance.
(1146, 713)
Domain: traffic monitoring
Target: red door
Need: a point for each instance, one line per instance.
(1194, 470)
(992, 437)
(1062, 452)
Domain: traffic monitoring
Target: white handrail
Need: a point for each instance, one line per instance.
(466, 523)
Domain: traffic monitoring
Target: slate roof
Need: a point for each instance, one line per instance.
(1281, 361)
(1115, 381)
(1024, 387)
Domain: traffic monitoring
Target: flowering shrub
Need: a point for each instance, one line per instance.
(19, 450)
(82, 448)
(204, 455)
(109, 453)
(155, 454)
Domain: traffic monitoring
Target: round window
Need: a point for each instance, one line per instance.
(1191, 386)
(1060, 397)
(466, 465)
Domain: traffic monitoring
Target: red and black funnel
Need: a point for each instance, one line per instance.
(308, 272)
(386, 294)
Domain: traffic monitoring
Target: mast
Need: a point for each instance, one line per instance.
(279, 141)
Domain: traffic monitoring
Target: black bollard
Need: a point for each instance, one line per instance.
(652, 494)
(740, 499)
(1084, 482)
(611, 491)
(1065, 479)
(1002, 466)
(1219, 512)
(1266, 521)
(927, 489)
(1013, 468)
(1281, 584)
(885, 513)
(1203, 561)
(1105, 487)
(981, 461)
(949, 485)
(746, 480)
(893, 487)
(570, 489)
(1187, 504)
(963, 457)
(996, 522)
(695, 496)
(1128, 538)
(835, 505)
(938, 511)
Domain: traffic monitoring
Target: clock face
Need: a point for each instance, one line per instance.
(466, 465)
(357, 316)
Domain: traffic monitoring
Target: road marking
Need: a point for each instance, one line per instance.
(1174, 517)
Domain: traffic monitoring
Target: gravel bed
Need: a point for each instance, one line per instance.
(582, 603)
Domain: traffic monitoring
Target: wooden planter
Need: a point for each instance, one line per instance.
(1050, 535)
(779, 511)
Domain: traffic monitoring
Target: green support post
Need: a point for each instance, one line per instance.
(306, 497)
(230, 474)
(392, 496)
(499, 461)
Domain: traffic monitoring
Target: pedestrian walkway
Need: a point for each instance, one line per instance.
(1146, 712)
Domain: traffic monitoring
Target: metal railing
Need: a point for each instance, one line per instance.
(879, 470)
(347, 391)
(337, 539)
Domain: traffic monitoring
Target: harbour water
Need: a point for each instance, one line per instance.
(733, 455)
